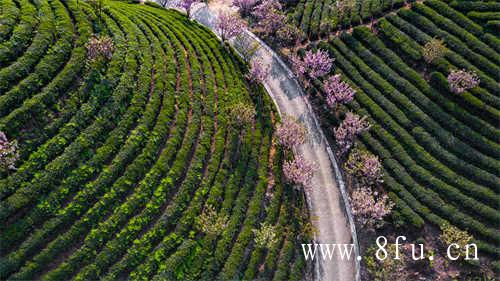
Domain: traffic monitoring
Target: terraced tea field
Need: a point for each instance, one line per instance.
(115, 166)
(319, 18)
(440, 150)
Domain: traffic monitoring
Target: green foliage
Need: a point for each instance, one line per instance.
(210, 222)
(433, 50)
(265, 236)
(117, 159)
(452, 235)
(437, 149)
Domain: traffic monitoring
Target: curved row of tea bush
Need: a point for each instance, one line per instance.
(120, 164)
(9, 19)
(22, 31)
(318, 18)
(439, 149)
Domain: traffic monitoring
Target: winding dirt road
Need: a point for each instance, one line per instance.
(326, 200)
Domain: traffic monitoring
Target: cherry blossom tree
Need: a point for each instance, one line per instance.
(290, 132)
(186, 5)
(337, 91)
(365, 166)
(100, 47)
(346, 133)
(229, 25)
(258, 71)
(266, 236)
(8, 153)
(269, 16)
(462, 80)
(245, 6)
(313, 64)
(211, 222)
(369, 207)
(433, 50)
(299, 171)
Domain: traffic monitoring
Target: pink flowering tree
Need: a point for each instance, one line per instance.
(462, 80)
(337, 91)
(186, 5)
(229, 25)
(365, 166)
(346, 133)
(369, 208)
(299, 171)
(258, 71)
(8, 153)
(245, 6)
(269, 16)
(290, 132)
(313, 65)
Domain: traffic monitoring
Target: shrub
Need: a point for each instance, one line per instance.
(242, 114)
(100, 47)
(433, 50)
(266, 236)
(462, 80)
(345, 134)
(211, 222)
(299, 171)
(365, 166)
(337, 92)
(8, 153)
(369, 207)
(451, 234)
(313, 64)
(290, 132)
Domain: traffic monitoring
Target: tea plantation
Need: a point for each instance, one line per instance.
(118, 159)
(439, 149)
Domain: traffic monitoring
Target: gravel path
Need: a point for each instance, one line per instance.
(326, 200)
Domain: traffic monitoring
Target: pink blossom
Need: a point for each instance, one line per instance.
(299, 171)
(369, 210)
(365, 166)
(8, 153)
(290, 132)
(313, 64)
(345, 134)
(337, 91)
(187, 4)
(269, 16)
(462, 80)
(265, 7)
(229, 25)
(258, 71)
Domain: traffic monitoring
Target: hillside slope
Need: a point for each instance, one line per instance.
(439, 149)
(118, 160)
